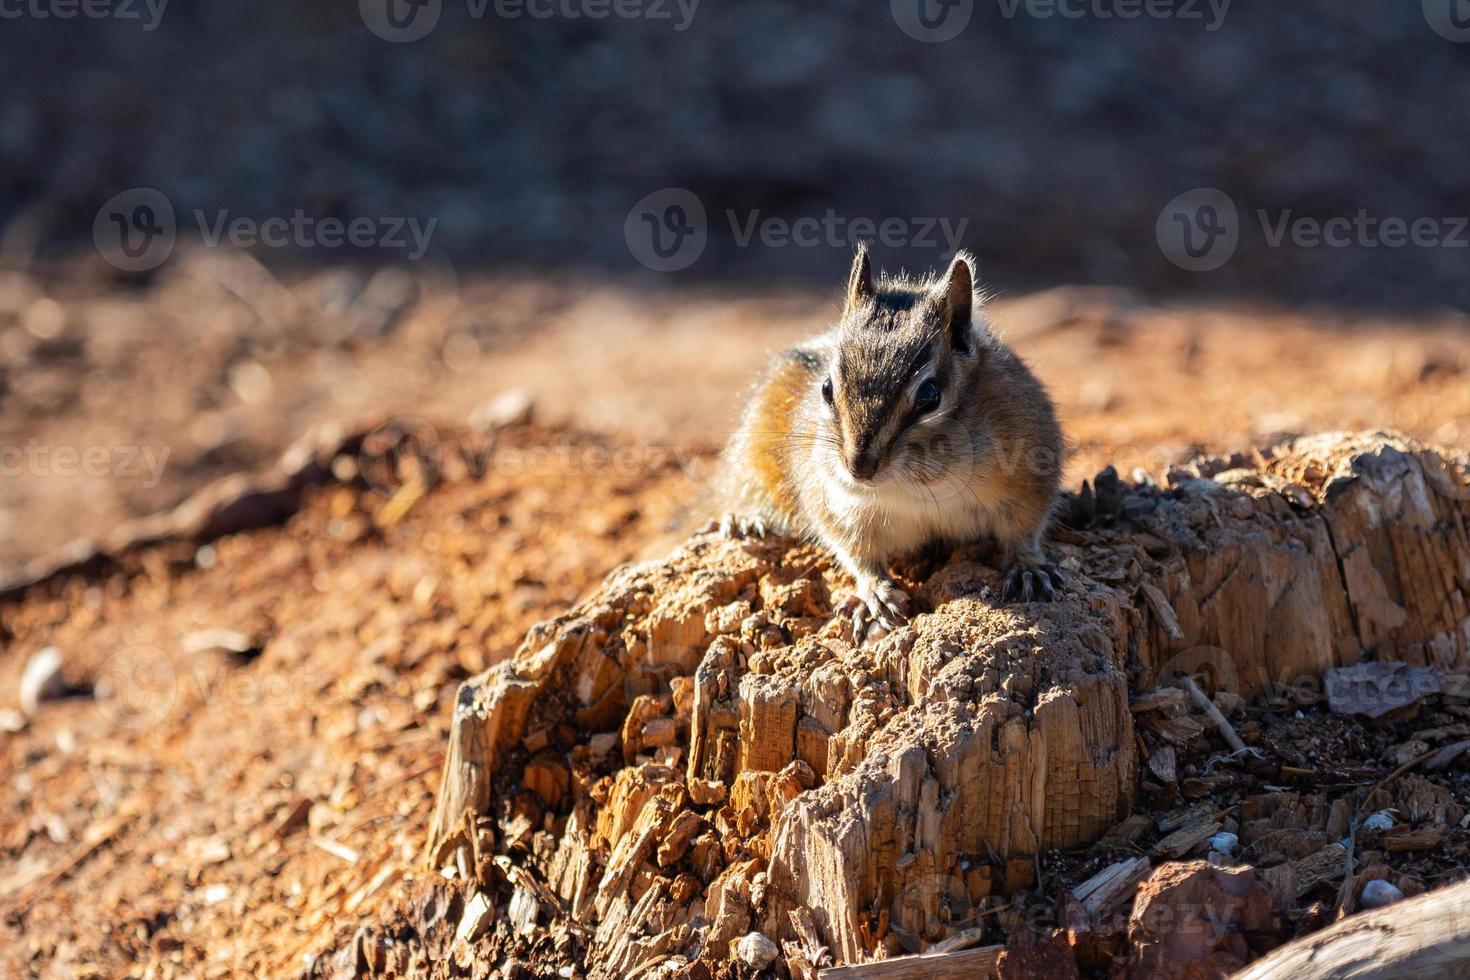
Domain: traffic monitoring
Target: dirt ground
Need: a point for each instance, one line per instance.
(193, 809)
(219, 364)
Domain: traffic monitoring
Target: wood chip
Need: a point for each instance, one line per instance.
(1186, 838)
(477, 911)
(1413, 838)
(969, 964)
(231, 641)
(1112, 886)
(1447, 755)
(292, 818)
(1159, 699)
(1217, 718)
(1163, 764)
(332, 847)
(1159, 603)
(1322, 865)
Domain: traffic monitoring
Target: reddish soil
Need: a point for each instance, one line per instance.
(220, 365)
(147, 823)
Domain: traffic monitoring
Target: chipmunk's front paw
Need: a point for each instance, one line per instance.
(1032, 582)
(877, 611)
(743, 526)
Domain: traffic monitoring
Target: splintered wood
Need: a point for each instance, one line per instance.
(698, 752)
(1314, 554)
(1427, 938)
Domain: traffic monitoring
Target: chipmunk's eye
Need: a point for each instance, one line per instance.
(827, 391)
(926, 399)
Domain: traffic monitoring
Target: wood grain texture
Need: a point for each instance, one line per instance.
(966, 964)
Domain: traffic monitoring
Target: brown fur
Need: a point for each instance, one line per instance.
(986, 460)
(758, 459)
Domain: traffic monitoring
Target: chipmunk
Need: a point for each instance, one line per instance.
(908, 422)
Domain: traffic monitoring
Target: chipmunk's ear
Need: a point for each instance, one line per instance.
(958, 302)
(860, 279)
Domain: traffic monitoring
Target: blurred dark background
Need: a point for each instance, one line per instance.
(529, 139)
(548, 150)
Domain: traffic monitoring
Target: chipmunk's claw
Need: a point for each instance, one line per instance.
(876, 613)
(743, 526)
(1032, 582)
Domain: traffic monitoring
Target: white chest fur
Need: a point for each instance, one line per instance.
(899, 515)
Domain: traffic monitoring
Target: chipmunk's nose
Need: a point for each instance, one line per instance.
(863, 463)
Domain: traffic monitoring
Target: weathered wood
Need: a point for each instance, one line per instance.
(1180, 842)
(743, 767)
(1112, 886)
(1322, 865)
(961, 770)
(1426, 937)
(1218, 719)
(968, 964)
(1315, 552)
(465, 791)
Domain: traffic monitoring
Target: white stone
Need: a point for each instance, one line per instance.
(1378, 821)
(42, 680)
(1378, 893)
(755, 950)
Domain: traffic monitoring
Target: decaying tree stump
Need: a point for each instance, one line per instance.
(698, 750)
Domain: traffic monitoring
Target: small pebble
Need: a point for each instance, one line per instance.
(1378, 893)
(755, 951)
(42, 680)
(509, 408)
(1378, 821)
(1224, 842)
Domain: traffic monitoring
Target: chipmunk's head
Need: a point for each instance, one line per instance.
(905, 351)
